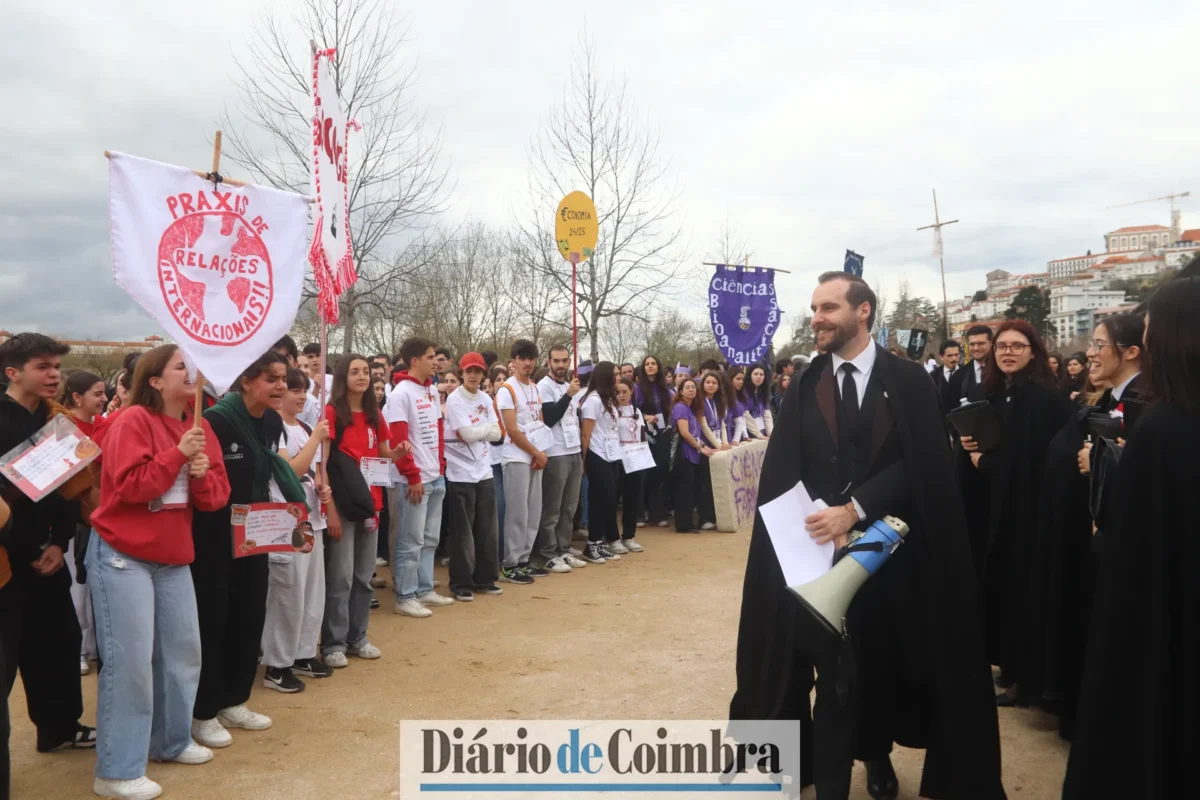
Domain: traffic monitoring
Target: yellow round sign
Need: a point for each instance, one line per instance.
(576, 227)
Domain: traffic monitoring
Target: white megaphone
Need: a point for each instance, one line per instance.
(829, 596)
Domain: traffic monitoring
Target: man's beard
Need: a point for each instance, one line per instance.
(842, 334)
(559, 373)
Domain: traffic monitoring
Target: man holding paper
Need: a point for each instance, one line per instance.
(861, 429)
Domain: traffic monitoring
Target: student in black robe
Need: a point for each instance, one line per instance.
(1139, 712)
(912, 669)
(967, 385)
(942, 375)
(1021, 388)
(1073, 383)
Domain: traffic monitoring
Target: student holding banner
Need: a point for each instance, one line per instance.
(231, 591)
(157, 469)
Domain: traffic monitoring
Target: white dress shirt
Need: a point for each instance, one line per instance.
(863, 363)
(1120, 390)
(978, 372)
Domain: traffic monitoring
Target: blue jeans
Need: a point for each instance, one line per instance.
(418, 528)
(149, 640)
(583, 502)
(498, 478)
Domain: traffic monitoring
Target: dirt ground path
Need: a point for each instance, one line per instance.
(652, 636)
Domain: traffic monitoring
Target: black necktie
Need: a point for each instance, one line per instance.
(849, 392)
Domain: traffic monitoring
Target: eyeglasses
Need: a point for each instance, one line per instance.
(1016, 348)
(1098, 344)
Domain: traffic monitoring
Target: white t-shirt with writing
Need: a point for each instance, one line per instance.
(467, 462)
(605, 441)
(551, 392)
(528, 405)
(293, 441)
(421, 407)
(630, 424)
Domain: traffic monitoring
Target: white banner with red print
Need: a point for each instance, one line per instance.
(220, 268)
(331, 255)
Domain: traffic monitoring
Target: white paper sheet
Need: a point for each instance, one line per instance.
(800, 557)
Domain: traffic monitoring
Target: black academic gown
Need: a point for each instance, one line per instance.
(1139, 715)
(1033, 414)
(973, 486)
(936, 650)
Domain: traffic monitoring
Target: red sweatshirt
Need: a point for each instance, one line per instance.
(142, 460)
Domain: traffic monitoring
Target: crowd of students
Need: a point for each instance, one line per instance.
(498, 469)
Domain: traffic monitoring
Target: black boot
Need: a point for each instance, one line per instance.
(881, 779)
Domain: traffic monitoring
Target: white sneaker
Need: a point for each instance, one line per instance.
(708, 526)
(445, 561)
(137, 789)
(241, 717)
(380, 561)
(664, 523)
(211, 733)
(575, 551)
(192, 754)
(84, 666)
(367, 651)
(336, 660)
(574, 562)
(412, 608)
(618, 547)
(633, 546)
(558, 565)
(434, 599)
(641, 524)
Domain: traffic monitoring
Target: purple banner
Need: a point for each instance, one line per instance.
(744, 312)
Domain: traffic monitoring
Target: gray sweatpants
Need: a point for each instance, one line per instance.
(522, 511)
(560, 497)
(349, 567)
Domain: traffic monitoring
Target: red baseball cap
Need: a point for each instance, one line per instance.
(472, 360)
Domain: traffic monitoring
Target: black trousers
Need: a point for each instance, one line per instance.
(231, 604)
(473, 535)
(693, 493)
(602, 498)
(5, 769)
(40, 637)
(631, 499)
(657, 480)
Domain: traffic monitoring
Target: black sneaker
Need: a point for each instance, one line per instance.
(515, 575)
(608, 555)
(534, 571)
(312, 668)
(488, 588)
(84, 738)
(592, 554)
(282, 680)
(374, 604)
(463, 595)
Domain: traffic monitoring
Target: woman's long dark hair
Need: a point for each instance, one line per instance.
(649, 387)
(339, 395)
(744, 395)
(78, 382)
(697, 404)
(1173, 343)
(1076, 383)
(724, 395)
(762, 395)
(604, 383)
(1036, 371)
(1062, 366)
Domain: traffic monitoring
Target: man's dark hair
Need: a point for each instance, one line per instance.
(414, 348)
(288, 345)
(260, 365)
(312, 349)
(857, 293)
(523, 348)
(490, 357)
(24, 347)
(624, 365)
(946, 345)
(1173, 343)
(444, 351)
(980, 330)
(382, 357)
(781, 365)
(557, 348)
(709, 365)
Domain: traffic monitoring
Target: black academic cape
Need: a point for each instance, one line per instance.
(770, 655)
(1138, 733)
(942, 384)
(972, 485)
(1016, 471)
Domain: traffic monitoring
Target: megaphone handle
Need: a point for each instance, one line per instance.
(845, 676)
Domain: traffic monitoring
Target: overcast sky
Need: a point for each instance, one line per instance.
(811, 129)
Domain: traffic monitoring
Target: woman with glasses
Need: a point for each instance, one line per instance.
(1146, 629)
(1021, 390)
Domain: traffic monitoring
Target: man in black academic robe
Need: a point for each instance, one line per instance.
(950, 353)
(912, 669)
(967, 384)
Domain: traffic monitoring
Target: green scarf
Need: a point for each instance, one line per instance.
(267, 463)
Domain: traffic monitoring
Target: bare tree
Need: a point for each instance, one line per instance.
(397, 184)
(594, 141)
(731, 247)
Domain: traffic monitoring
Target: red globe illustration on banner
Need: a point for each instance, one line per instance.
(216, 278)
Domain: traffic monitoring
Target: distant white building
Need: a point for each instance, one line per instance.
(1138, 237)
(1061, 268)
(1072, 306)
(1136, 266)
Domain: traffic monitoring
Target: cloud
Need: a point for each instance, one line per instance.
(810, 129)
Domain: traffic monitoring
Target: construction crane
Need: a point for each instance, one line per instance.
(1170, 197)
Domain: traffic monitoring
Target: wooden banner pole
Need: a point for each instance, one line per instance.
(574, 315)
(745, 266)
(198, 405)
